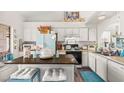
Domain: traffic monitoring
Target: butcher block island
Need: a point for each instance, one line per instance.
(65, 62)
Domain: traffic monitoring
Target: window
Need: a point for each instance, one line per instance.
(4, 38)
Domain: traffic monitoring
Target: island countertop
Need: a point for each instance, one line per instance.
(63, 59)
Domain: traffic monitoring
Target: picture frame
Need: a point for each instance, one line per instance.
(72, 17)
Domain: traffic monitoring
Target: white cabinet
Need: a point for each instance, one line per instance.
(101, 67)
(85, 58)
(30, 34)
(115, 72)
(83, 34)
(92, 34)
(61, 34)
(76, 31)
(92, 61)
(72, 32)
(68, 31)
(27, 34)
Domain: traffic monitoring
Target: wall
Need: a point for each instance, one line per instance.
(122, 22)
(50, 16)
(104, 25)
(14, 20)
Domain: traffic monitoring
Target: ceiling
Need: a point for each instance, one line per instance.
(94, 18)
(30, 16)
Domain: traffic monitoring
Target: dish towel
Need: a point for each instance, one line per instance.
(54, 75)
(26, 73)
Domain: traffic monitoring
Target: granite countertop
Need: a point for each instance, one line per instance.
(63, 59)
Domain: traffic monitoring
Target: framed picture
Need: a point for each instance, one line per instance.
(72, 17)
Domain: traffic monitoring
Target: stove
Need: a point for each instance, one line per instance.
(71, 47)
(77, 55)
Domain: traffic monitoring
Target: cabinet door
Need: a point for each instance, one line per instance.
(27, 34)
(92, 34)
(115, 72)
(84, 34)
(68, 31)
(84, 58)
(61, 34)
(101, 67)
(76, 32)
(92, 61)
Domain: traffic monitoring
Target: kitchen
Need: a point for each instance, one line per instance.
(94, 40)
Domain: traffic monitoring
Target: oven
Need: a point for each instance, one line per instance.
(77, 55)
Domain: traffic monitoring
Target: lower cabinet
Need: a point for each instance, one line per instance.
(107, 69)
(101, 67)
(92, 61)
(85, 58)
(115, 72)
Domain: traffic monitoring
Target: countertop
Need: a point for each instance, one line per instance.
(63, 59)
(83, 50)
(116, 59)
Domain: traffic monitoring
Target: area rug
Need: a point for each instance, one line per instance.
(90, 76)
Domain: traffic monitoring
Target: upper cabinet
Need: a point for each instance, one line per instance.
(83, 34)
(64, 29)
(72, 31)
(76, 31)
(92, 34)
(61, 34)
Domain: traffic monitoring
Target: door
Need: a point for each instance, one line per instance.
(92, 61)
(101, 67)
(115, 72)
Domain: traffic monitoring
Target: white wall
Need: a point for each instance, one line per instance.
(122, 22)
(14, 20)
(103, 26)
(50, 16)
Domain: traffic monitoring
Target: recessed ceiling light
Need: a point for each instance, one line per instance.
(101, 17)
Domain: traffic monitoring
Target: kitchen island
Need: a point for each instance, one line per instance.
(62, 59)
(67, 62)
